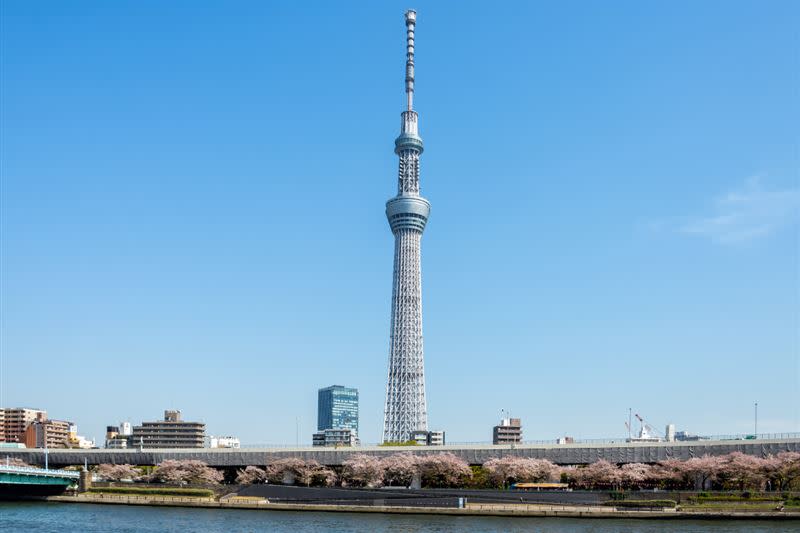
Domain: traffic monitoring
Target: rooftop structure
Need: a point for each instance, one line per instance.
(406, 409)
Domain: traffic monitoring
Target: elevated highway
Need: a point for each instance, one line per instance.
(564, 454)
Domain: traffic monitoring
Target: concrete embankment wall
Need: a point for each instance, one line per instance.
(471, 510)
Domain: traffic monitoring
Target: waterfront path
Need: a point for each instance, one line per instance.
(518, 510)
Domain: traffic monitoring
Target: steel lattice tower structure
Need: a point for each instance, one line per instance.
(406, 410)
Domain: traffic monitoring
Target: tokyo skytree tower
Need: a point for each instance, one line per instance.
(406, 410)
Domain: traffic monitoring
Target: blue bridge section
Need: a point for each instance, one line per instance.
(25, 481)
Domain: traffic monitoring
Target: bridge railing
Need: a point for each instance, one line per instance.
(39, 471)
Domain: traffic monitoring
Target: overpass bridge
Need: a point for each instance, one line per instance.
(563, 454)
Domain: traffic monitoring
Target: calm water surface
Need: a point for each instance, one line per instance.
(41, 517)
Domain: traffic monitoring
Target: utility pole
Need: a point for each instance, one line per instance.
(756, 421)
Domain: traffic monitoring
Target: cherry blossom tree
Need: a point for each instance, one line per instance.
(284, 470)
(741, 471)
(443, 470)
(509, 469)
(189, 471)
(787, 474)
(111, 472)
(362, 471)
(399, 469)
(703, 470)
(600, 474)
(671, 474)
(635, 475)
(251, 475)
(322, 477)
(296, 470)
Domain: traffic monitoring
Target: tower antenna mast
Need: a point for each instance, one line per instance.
(411, 23)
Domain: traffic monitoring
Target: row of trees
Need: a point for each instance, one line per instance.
(733, 471)
(189, 472)
(439, 470)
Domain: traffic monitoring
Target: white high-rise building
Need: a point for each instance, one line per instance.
(406, 410)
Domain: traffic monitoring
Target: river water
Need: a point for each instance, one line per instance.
(86, 518)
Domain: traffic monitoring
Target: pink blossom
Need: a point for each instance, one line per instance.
(362, 471)
(399, 469)
(251, 475)
(189, 471)
(111, 472)
(443, 470)
(510, 469)
(304, 472)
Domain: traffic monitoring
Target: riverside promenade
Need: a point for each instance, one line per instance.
(618, 452)
(478, 509)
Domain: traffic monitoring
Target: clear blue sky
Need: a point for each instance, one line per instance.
(193, 196)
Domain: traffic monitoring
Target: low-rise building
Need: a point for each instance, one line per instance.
(427, 438)
(172, 432)
(48, 434)
(15, 420)
(419, 437)
(78, 441)
(509, 431)
(119, 437)
(436, 438)
(335, 437)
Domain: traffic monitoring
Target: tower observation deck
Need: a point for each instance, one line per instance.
(406, 409)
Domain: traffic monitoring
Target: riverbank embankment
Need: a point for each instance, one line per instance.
(476, 509)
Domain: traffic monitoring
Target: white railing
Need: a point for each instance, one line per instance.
(745, 437)
(10, 469)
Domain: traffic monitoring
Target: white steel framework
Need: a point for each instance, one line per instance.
(406, 409)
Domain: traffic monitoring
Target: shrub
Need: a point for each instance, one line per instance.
(642, 503)
(743, 497)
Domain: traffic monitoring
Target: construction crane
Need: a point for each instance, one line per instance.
(646, 432)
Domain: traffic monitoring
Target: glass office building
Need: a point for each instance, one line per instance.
(337, 408)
